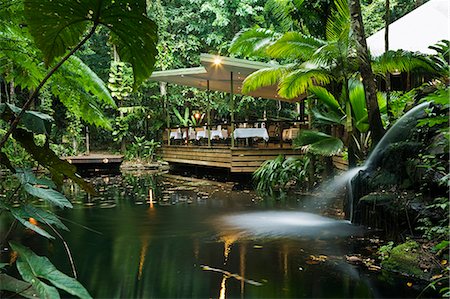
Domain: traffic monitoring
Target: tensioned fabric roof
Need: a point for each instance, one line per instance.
(416, 31)
(218, 70)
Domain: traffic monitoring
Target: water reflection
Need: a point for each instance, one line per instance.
(158, 232)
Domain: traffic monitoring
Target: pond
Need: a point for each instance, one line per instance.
(150, 236)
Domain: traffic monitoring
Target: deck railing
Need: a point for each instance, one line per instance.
(278, 132)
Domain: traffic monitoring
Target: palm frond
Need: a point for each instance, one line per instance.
(294, 45)
(401, 61)
(265, 77)
(297, 82)
(253, 41)
(327, 118)
(327, 98)
(283, 11)
(318, 143)
(338, 24)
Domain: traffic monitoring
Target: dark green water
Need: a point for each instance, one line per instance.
(136, 250)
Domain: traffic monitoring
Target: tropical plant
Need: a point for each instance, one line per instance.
(55, 27)
(308, 61)
(275, 175)
(187, 119)
(142, 149)
(331, 113)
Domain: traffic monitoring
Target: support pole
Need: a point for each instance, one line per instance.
(208, 114)
(232, 109)
(87, 141)
(163, 90)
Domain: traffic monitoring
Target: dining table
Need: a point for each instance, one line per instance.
(251, 133)
(221, 134)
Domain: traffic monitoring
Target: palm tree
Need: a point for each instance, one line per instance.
(309, 61)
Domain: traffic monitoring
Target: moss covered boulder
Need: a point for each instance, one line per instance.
(406, 259)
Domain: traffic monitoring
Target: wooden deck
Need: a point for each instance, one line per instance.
(238, 159)
(96, 163)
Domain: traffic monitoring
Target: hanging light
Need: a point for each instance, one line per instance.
(217, 60)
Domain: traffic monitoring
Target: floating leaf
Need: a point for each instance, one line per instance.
(33, 268)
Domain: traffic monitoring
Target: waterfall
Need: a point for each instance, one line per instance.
(401, 130)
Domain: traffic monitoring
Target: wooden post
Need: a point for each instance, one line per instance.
(163, 90)
(87, 140)
(232, 109)
(208, 114)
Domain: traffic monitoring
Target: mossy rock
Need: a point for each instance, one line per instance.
(405, 259)
(377, 198)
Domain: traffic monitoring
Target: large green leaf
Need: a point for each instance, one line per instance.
(59, 25)
(327, 98)
(318, 143)
(358, 103)
(47, 158)
(34, 269)
(51, 196)
(328, 117)
(18, 287)
(27, 176)
(41, 215)
(17, 214)
(89, 80)
(33, 121)
(4, 160)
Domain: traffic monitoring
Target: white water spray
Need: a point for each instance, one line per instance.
(399, 131)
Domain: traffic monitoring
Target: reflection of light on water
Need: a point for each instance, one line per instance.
(222, 287)
(285, 261)
(142, 257)
(150, 197)
(283, 224)
(228, 240)
(242, 252)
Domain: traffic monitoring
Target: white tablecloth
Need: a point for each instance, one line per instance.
(221, 134)
(251, 132)
(191, 134)
(175, 135)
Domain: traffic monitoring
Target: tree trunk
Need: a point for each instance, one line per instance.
(375, 124)
(387, 18)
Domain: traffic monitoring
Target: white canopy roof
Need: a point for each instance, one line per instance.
(416, 31)
(217, 70)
